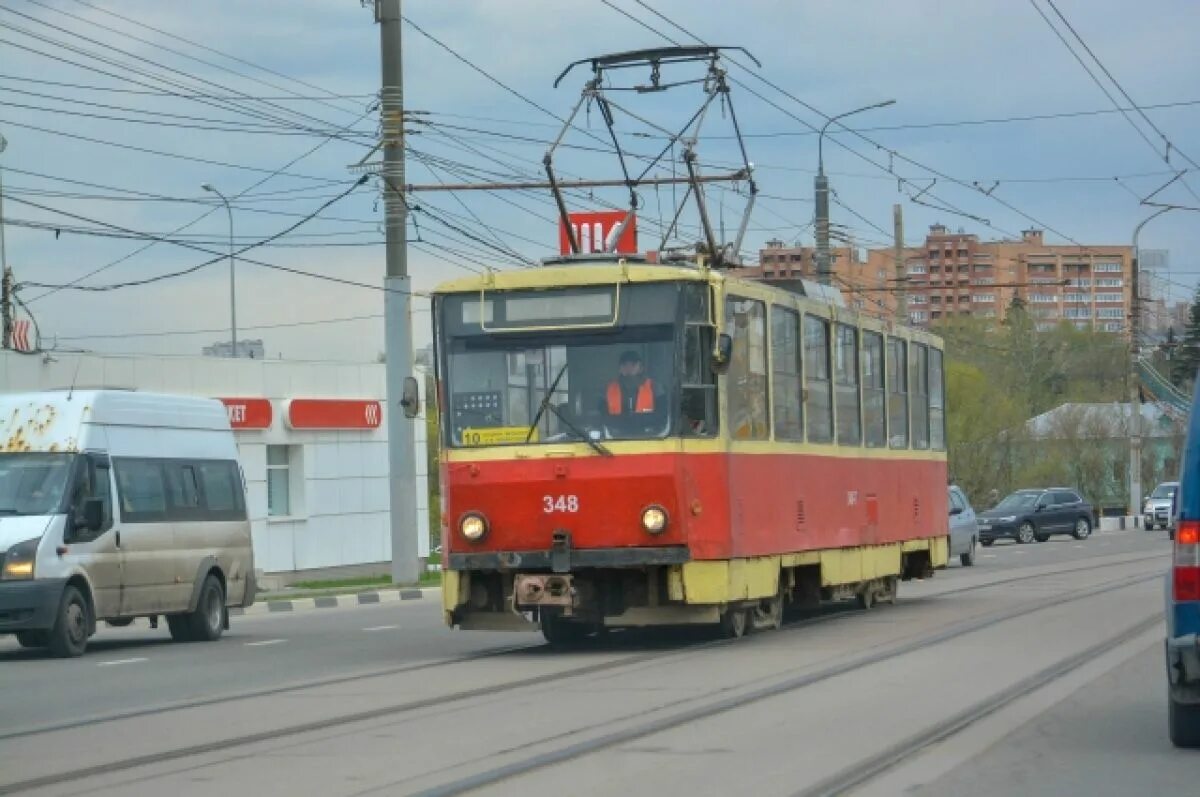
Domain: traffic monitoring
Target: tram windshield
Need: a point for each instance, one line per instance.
(565, 365)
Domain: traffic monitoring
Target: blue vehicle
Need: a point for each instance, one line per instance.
(1183, 599)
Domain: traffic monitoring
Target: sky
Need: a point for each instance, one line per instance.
(116, 113)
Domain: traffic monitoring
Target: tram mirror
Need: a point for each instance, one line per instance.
(410, 397)
(722, 354)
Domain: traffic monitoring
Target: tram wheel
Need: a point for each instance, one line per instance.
(767, 615)
(564, 633)
(733, 623)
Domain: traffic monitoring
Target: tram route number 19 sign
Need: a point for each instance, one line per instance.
(594, 232)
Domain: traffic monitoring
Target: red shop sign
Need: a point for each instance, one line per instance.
(249, 413)
(334, 414)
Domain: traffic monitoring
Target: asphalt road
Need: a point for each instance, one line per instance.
(383, 699)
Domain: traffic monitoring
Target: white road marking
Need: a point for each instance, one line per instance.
(987, 556)
(1020, 551)
(120, 661)
(1080, 546)
(265, 642)
(381, 628)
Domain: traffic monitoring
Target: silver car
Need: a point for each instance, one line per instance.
(964, 528)
(1157, 509)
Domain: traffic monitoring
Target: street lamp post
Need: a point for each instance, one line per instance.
(232, 281)
(822, 194)
(1135, 414)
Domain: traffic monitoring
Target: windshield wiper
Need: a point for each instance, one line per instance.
(545, 403)
(548, 405)
(599, 447)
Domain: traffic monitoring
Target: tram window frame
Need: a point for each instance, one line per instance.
(897, 393)
(697, 382)
(742, 395)
(787, 370)
(937, 400)
(848, 400)
(874, 391)
(818, 380)
(918, 382)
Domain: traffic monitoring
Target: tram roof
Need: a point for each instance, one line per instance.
(565, 273)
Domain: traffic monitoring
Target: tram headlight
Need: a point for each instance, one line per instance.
(654, 519)
(473, 526)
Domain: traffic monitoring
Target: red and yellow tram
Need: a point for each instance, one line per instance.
(775, 449)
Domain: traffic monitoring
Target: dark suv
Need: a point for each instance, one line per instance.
(1029, 515)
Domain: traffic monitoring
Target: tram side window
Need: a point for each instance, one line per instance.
(846, 376)
(787, 390)
(746, 322)
(919, 379)
(874, 411)
(937, 402)
(897, 385)
(817, 382)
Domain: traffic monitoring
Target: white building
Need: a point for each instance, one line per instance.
(312, 438)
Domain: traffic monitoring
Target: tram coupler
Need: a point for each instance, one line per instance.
(537, 590)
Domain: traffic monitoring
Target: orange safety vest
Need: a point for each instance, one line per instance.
(644, 402)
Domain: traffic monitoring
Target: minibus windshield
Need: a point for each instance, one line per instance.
(33, 483)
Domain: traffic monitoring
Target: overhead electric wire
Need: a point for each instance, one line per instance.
(325, 101)
(892, 153)
(1166, 156)
(160, 239)
(176, 95)
(128, 70)
(206, 214)
(167, 68)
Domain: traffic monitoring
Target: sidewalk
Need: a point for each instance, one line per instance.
(294, 600)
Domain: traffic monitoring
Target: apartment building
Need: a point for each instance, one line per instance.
(956, 274)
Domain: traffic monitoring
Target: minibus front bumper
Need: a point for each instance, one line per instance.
(30, 605)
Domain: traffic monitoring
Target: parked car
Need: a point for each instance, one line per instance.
(1037, 514)
(964, 531)
(1157, 509)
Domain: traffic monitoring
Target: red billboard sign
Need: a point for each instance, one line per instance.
(334, 414)
(594, 232)
(249, 413)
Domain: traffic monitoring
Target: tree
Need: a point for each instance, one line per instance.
(1186, 359)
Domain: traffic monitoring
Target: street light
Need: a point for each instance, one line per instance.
(822, 189)
(232, 283)
(1135, 415)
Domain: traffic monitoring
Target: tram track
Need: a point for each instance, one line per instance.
(831, 612)
(867, 769)
(709, 709)
(852, 662)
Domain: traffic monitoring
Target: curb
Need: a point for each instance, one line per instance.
(332, 601)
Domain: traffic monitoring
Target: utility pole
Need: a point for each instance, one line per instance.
(1135, 409)
(396, 311)
(6, 277)
(6, 302)
(901, 272)
(821, 185)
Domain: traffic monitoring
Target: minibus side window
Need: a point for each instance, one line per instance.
(143, 494)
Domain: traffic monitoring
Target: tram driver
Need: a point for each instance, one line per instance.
(632, 393)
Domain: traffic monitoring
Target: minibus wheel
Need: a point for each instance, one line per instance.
(69, 636)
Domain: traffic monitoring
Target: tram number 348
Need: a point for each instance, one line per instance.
(560, 503)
